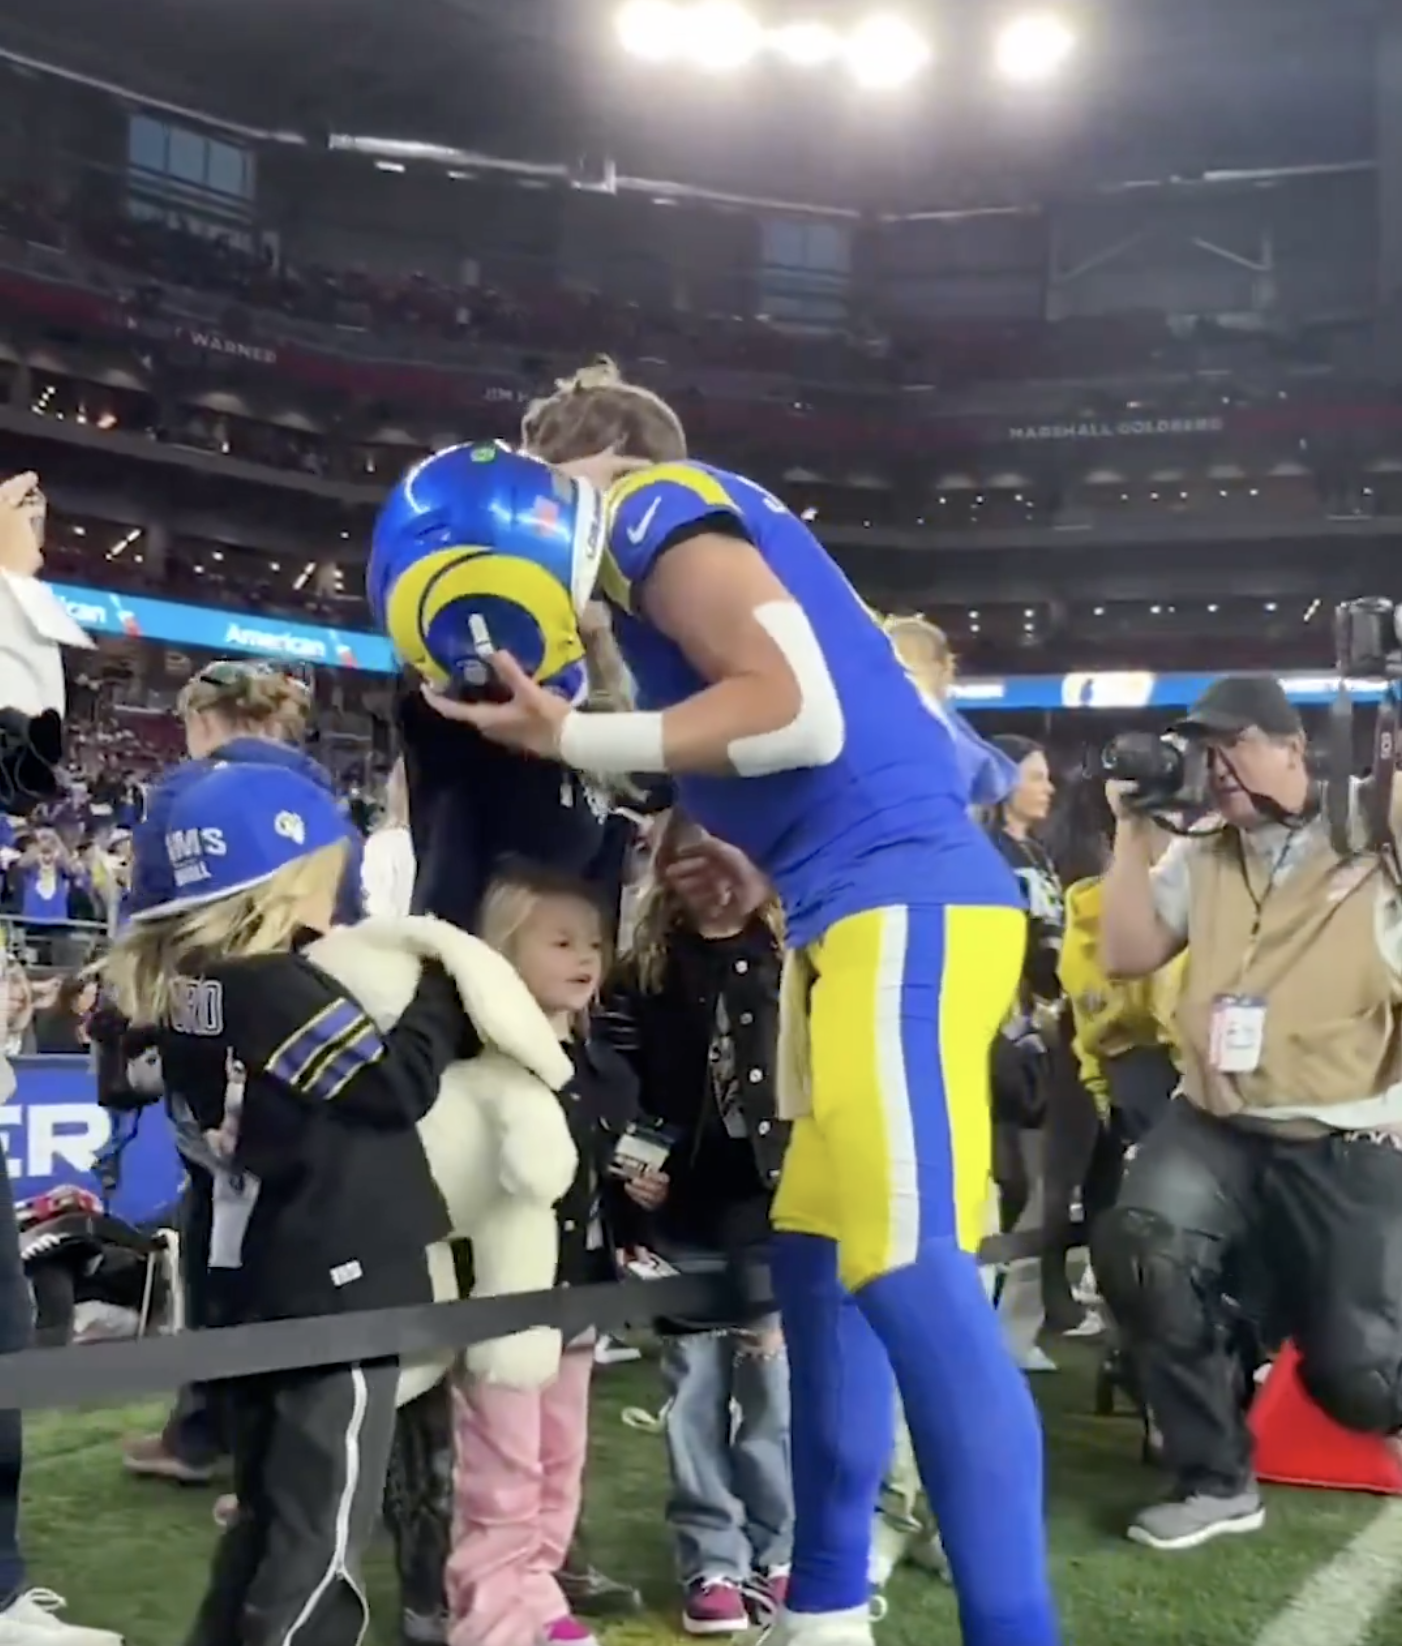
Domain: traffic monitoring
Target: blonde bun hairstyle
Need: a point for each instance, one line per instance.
(260, 702)
(597, 409)
(925, 650)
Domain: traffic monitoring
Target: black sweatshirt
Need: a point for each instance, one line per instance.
(324, 1201)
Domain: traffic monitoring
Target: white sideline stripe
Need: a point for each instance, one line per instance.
(1338, 1604)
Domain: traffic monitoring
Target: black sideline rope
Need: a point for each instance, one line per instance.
(100, 1373)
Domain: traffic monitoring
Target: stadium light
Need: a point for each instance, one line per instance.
(885, 52)
(650, 29)
(721, 36)
(1033, 48)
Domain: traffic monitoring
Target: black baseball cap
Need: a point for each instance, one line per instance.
(1236, 703)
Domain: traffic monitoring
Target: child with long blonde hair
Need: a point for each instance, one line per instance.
(298, 1118)
(519, 1455)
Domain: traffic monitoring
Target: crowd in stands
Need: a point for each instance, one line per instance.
(550, 318)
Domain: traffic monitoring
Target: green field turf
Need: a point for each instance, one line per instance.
(130, 1555)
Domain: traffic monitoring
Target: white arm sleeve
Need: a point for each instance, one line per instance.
(817, 733)
(609, 743)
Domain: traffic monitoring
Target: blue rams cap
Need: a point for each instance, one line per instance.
(238, 827)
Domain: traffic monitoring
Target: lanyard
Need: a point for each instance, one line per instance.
(1258, 903)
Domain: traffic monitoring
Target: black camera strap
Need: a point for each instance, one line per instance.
(1377, 793)
(1337, 797)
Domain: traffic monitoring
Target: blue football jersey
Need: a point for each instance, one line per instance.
(887, 821)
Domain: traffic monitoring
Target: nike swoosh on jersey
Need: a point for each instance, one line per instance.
(635, 534)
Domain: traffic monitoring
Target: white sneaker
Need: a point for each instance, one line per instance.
(888, 1547)
(608, 1351)
(32, 1619)
(850, 1628)
(1036, 1359)
(1089, 1325)
(928, 1554)
(1087, 1290)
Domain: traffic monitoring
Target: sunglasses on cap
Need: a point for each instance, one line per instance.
(233, 671)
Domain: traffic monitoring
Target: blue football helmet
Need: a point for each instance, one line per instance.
(479, 549)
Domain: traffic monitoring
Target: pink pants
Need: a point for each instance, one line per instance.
(518, 1473)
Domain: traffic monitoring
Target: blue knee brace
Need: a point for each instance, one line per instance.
(843, 1425)
(977, 1439)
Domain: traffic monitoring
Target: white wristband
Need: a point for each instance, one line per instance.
(612, 744)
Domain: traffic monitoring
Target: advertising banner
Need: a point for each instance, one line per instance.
(234, 634)
(52, 1131)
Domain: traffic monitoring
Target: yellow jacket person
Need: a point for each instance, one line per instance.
(1115, 1017)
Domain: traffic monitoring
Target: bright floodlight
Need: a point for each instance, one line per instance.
(886, 51)
(722, 36)
(650, 29)
(1033, 48)
(807, 45)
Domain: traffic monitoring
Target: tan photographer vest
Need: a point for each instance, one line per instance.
(1305, 944)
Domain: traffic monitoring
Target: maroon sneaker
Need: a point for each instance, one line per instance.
(714, 1606)
(773, 1584)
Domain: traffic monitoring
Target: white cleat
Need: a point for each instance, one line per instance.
(849, 1628)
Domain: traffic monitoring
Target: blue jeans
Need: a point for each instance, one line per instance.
(726, 1427)
(16, 1326)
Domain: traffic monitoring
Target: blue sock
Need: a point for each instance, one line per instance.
(977, 1439)
(843, 1425)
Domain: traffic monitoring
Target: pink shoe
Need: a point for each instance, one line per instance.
(567, 1631)
(714, 1606)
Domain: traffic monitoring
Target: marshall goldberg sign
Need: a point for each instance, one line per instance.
(1124, 428)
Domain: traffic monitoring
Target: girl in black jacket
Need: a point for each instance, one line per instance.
(694, 1004)
(298, 1117)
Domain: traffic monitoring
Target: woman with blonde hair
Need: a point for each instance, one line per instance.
(475, 810)
(299, 1119)
(244, 712)
(923, 647)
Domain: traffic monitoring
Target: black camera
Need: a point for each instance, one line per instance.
(30, 752)
(1163, 773)
(1367, 646)
(1368, 639)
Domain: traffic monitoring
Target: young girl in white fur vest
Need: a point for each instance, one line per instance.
(519, 1464)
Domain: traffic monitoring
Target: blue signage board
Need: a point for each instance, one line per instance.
(235, 634)
(1125, 690)
(231, 634)
(53, 1129)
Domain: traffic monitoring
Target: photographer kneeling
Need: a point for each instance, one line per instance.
(1283, 1153)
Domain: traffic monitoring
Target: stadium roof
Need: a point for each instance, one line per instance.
(1159, 88)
